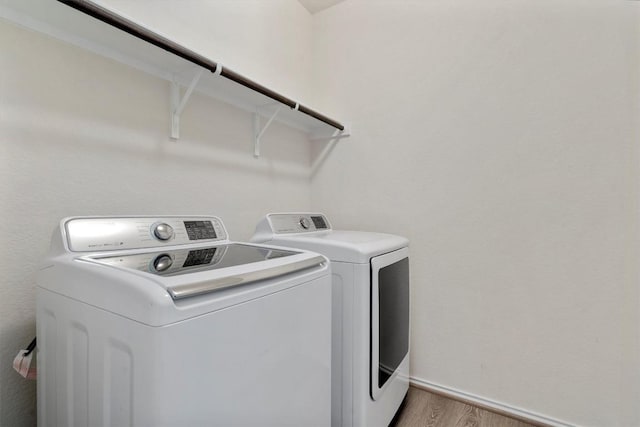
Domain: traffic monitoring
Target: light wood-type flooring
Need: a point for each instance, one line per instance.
(424, 409)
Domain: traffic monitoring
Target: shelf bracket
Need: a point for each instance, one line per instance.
(257, 132)
(177, 104)
(337, 135)
(332, 141)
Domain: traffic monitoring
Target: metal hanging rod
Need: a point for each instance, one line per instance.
(109, 17)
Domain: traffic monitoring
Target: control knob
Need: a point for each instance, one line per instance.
(304, 223)
(163, 231)
(162, 262)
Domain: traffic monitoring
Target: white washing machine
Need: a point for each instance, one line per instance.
(370, 313)
(162, 321)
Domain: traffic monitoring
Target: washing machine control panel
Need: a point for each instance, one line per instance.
(106, 234)
(298, 223)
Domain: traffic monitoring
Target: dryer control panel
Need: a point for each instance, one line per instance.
(94, 234)
(298, 222)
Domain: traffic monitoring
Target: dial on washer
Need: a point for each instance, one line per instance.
(163, 231)
(162, 262)
(304, 223)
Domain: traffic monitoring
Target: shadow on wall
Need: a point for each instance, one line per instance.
(214, 142)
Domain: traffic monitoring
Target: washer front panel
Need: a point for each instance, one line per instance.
(106, 234)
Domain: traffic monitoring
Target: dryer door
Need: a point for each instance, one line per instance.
(389, 317)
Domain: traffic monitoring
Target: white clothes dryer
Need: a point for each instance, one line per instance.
(162, 321)
(370, 313)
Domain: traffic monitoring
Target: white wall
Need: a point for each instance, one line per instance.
(82, 135)
(501, 137)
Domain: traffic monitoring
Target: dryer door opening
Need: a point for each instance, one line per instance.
(389, 317)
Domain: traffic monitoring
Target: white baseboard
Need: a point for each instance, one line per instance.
(489, 404)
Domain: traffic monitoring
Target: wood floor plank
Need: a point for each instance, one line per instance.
(471, 416)
(424, 409)
(493, 419)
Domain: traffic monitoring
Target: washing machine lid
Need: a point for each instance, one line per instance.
(313, 232)
(192, 271)
(161, 280)
(179, 261)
